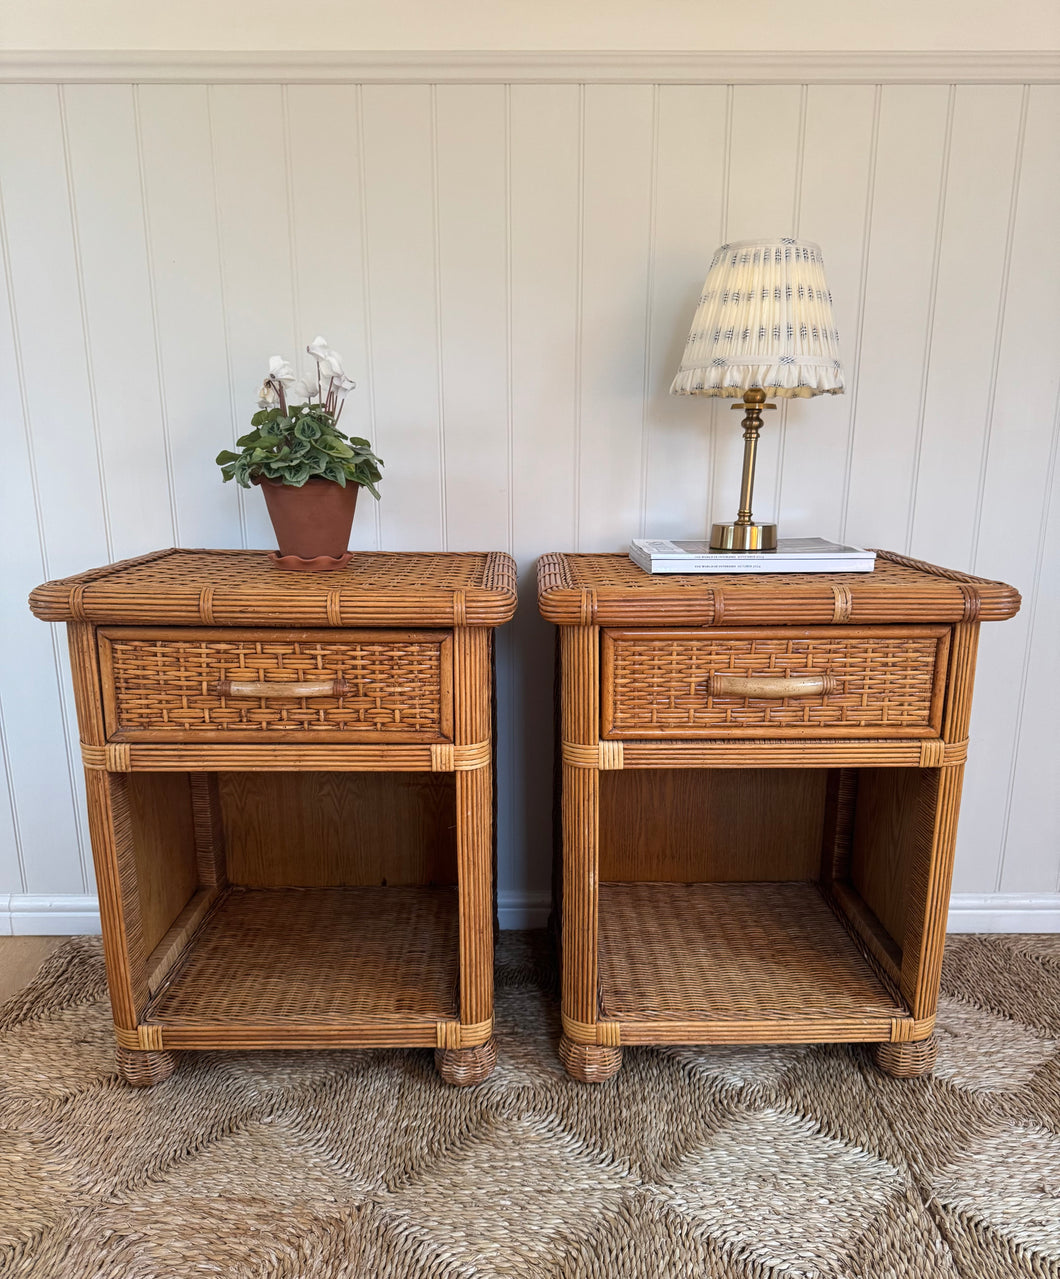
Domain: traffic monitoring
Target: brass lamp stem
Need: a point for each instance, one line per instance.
(752, 425)
(745, 534)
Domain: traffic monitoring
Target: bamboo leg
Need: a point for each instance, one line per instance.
(464, 1066)
(144, 1069)
(907, 1060)
(589, 1063)
(110, 827)
(474, 840)
(580, 724)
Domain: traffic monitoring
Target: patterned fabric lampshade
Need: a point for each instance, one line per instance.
(764, 322)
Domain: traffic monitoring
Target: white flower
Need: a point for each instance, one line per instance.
(301, 390)
(280, 370)
(342, 385)
(329, 361)
(267, 397)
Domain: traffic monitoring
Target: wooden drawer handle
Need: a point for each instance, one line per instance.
(771, 685)
(280, 688)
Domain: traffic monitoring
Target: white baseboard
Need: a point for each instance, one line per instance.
(64, 914)
(48, 914)
(1004, 913)
(523, 910)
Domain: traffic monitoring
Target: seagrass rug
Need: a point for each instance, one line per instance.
(729, 1163)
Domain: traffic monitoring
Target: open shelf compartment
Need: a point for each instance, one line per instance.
(760, 905)
(314, 966)
(738, 963)
(305, 909)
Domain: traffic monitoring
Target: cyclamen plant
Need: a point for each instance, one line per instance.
(297, 441)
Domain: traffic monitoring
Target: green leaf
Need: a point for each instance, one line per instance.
(226, 456)
(307, 429)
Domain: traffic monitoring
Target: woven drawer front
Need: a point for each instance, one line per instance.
(878, 682)
(389, 685)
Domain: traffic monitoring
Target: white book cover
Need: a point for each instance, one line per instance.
(793, 555)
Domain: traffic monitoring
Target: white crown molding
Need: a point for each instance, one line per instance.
(24, 914)
(164, 67)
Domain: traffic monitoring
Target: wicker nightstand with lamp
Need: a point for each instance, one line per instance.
(761, 773)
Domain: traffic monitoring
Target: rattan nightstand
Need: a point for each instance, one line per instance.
(290, 795)
(761, 777)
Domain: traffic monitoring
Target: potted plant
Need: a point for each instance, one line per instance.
(309, 470)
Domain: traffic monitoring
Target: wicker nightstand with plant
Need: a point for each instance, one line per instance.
(290, 782)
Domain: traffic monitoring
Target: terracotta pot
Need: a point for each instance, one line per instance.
(314, 521)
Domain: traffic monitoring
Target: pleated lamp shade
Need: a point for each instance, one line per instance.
(764, 322)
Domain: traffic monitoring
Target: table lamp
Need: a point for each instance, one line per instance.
(764, 326)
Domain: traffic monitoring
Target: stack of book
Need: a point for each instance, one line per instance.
(793, 555)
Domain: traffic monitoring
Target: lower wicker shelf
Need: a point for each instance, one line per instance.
(315, 967)
(735, 963)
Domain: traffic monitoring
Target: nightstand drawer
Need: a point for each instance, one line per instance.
(265, 685)
(831, 681)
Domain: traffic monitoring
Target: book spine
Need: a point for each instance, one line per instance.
(699, 565)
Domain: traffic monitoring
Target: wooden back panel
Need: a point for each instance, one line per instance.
(320, 830)
(689, 825)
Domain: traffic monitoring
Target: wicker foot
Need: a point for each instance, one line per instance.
(909, 1060)
(464, 1066)
(589, 1063)
(144, 1069)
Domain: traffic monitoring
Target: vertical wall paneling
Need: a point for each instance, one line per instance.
(903, 251)
(55, 455)
(510, 271)
(17, 501)
(544, 200)
(765, 164)
(251, 179)
(120, 315)
(1029, 852)
(837, 158)
(472, 274)
(616, 252)
(327, 250)
(974, 258)
(398, 177)
(1005, 848)
(688, 192)
(180, 217)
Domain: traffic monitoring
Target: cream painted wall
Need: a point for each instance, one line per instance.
(510, 271)
(987, 25)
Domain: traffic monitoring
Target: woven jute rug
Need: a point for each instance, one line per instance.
(731, 1163)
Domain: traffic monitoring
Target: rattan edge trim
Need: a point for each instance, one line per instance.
(115, 757)
(123, 757)
(777, 752)
(490, 603)
(907, 1030)
(448, 758)
(142, 1039)
(606, 1033)
(604, 755)
(457, 1034)
(562, 602)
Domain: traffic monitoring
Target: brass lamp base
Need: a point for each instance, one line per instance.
(743, 537)
(743, 534)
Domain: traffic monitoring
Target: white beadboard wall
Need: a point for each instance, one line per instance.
(510, 270)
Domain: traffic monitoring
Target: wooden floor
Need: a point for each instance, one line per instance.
(20, 960)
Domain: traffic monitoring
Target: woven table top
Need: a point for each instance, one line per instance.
(610, 590)
(240, 588)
